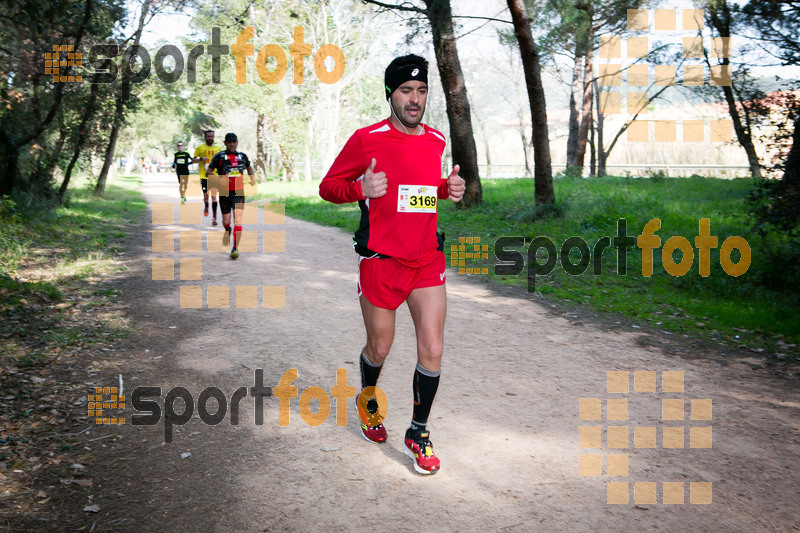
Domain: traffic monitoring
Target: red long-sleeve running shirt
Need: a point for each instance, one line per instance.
(401, 223)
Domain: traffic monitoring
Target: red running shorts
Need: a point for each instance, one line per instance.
(387, 282)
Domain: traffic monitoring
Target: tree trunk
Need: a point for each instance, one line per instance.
(307, 164)
(592, 152)
(578, 131)
(482, 126)
(9, 163)
(100, 186)
(543, 172)
(528, 172)
(785, 208)
(574, 111)
(79, 141)
(601, 150)
(286, 157)
(455, 92)
(743, 135)
(288, 163)
(488, 157)
(791, 174)
(269, 151)
(601, 162)
(52, 159)
(719, 16)
(261, 164)
(122, 98)
(586, 110)
(307, 155)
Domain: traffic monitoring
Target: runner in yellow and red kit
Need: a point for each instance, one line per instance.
(231, 165)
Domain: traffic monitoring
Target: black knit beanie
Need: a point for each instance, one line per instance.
(402, 69)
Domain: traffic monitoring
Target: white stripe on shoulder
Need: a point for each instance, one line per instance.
(385, 127)
(434, 133)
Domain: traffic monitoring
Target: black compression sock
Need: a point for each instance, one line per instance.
(214, 208)
(426, 382)
(369, 372)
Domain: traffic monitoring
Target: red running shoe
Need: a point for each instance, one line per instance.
(367, 412)
(418, 446)
(205, 212)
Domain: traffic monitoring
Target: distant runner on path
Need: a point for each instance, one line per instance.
(202, 155)
(393, 170)
(181, 163)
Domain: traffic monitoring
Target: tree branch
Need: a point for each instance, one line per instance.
(487, 19)
(625, 127)
(405, 6)
(490, 19)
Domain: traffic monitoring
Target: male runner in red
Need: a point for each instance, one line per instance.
(230, 166)
(393, 170)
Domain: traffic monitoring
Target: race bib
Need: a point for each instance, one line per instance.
(416, 199)
(234, 164)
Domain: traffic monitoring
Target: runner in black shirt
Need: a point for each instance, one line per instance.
(181, 165)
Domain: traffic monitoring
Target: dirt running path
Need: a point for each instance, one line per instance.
(505, 423)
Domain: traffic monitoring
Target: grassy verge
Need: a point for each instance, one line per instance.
(721, 308)
(51, 259)
(84, 229)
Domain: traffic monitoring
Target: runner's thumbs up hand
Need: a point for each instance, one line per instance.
(456, 185)
(374, 184)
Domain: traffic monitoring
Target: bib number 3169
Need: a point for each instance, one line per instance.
(416, 199)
